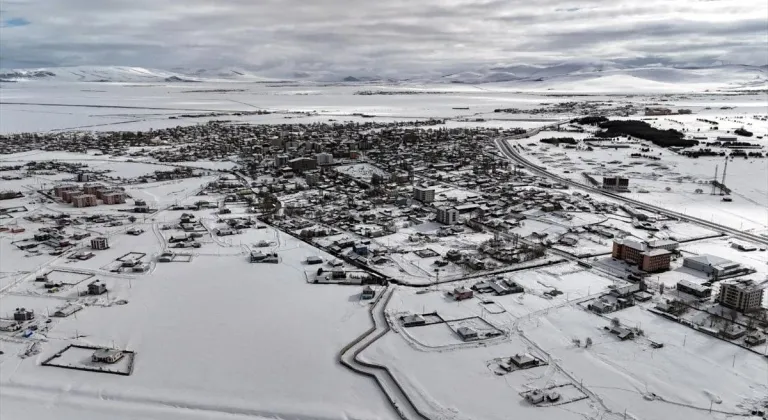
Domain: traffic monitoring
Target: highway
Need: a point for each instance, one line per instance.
(511, 154)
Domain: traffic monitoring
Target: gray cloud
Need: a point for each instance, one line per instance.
(395, 37)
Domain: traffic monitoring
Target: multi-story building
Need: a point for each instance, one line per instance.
(447, 215)
(424, 194)
(742, 294)
(84, 177)
(84, 200)
(67, 195)
(302, 164)
(324, 159)
(281, 160)
(640, 253)
(99, 243)
(60, 189)
(92, 188)
(113, 197)
(615, 183)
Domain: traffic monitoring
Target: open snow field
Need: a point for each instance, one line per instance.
(214, 337)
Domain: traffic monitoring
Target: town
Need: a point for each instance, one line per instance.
(493, 250)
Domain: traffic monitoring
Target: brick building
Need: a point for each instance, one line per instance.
(640, 253)
(113, 197)
(84, 200)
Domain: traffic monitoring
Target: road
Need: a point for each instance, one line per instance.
(513, 156)
(349, 357)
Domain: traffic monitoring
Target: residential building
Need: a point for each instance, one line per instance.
(424, 194)
(96, 288)
(656, 260)
(616, 183)
(59, 189)
(368, 293)
(114, 197)
(22, 314)
(447, 215)
(524, 360)
(413, 320)
(467, 333)
(694, 289)
(462, 293)
(84, 200)
(712, 265)
(302, 164)
(84, 177)
(99, 243)
(742, 295)
(281, 160)
(324, 159)
(107, 356)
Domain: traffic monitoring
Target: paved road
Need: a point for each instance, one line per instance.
(349, 358)
(509, 151)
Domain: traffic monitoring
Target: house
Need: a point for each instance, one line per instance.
(694, 289)
(621, 332)
(413, 320)
(368, 293)
(462, 293)
(601, 306)
(733, 331)
(742, 295)
(535, 397)
(754, 339)
(360, 249)
(513, 287)
(22, 315)
(467, 334)
(96, 287)
(524, 360)
(107, 356)
(99, 243)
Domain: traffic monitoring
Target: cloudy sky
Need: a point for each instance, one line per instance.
(388, 37)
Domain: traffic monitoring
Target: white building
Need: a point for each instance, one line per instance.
(324, 159)
(424, 194)
(447, 215)
(742, 294)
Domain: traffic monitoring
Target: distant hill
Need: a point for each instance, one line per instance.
(597, 76)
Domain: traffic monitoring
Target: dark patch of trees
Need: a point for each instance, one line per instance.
(743, 132)
(557, 140)
(589, 120)
(643, 130)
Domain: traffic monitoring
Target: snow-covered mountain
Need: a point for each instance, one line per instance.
(567, 76)
(94, 74)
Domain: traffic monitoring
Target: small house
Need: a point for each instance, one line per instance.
(368, 293)
(96, 287)
(467, 334)
(462, 293)
(67, 310)
(535, 397)
(524, 360)
(107, 356)
(754, 339)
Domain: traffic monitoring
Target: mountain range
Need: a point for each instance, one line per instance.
(563, 76)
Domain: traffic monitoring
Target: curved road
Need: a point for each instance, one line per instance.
(510, 153)
(349, 358)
